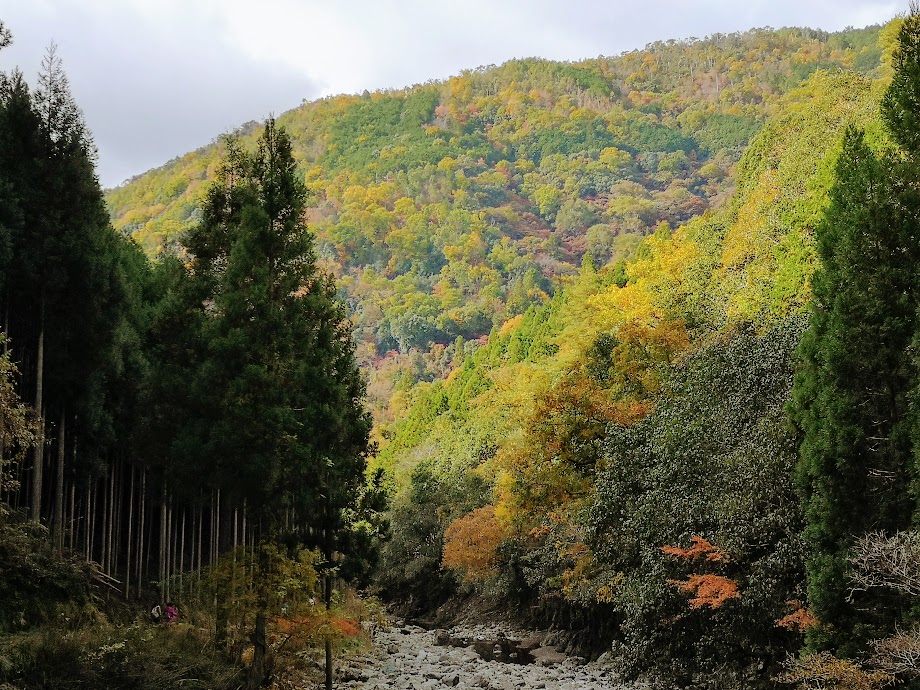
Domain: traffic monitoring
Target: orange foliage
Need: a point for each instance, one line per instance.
(307, 626)
(701, 548)
(709, 590)
(801, 619)
(347, 626)
(470, 543)
(300, 626)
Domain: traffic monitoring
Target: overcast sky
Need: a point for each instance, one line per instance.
(158, 78)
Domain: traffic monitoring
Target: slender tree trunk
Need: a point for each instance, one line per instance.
(119, 521)
(130, 543)
(110, 527)
(93, 509)
(221, 621)
(72, 516)
(140, 531)
(163, 543)
(59, 492)
(86, 508)
(200, 531)
(169, 548)
(182, 552)
(39, 450)
(327, 598)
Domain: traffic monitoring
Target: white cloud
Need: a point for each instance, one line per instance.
(160, 77)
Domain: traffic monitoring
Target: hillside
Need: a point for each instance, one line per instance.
(446, 208)
(641, 342)
(641, 406)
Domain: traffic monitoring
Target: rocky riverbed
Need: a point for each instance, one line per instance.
(493, 657)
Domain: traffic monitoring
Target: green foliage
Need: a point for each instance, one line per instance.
(853, 397)
(37, 585)
(136, 656)
(715, 458)
(432, 204)
(288, 429)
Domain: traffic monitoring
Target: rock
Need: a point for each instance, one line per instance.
(451, 680)
(547, 656)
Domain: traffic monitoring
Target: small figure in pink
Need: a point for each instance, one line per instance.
(172, 613)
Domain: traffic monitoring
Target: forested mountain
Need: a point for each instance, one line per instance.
(447, 208)
(641, 334)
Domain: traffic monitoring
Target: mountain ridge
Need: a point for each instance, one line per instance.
(446, 208)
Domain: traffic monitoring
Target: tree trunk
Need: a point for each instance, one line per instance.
(221, 621)
(72, 515)
(163, 544)
(140, 531)
(93, 508)
(119, 520)
(110, 527)
(200, 532)
(170, 550)
(86, 522)
(59, 489)
(182, 552)
(39, 450)
(327, 598)
(129, 545)
(257, 671)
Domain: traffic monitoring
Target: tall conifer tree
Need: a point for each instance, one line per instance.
(288, 432)
(852, 395)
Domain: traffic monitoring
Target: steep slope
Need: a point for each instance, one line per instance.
(567, 462)
(448, 207)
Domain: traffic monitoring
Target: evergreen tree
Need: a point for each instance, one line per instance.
(278, 339)
(287, 430)
(851, 395)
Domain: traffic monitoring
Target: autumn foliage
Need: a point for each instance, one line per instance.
(701, 548)
(470, 544)
(799, 620)
(707, 590)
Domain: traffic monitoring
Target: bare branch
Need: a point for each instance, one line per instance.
(881, 561)
(898, 654)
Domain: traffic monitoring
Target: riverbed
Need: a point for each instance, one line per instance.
(484, 657)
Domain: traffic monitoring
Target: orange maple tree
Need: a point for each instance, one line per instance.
(708, 589)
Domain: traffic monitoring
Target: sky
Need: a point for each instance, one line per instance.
(159, 78)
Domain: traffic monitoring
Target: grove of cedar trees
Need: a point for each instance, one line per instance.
(160, 417)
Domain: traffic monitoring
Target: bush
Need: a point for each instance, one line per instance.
(36, 584)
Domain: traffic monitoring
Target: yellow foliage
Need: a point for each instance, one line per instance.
(824, 671)
(511, 324)
(470, 544)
